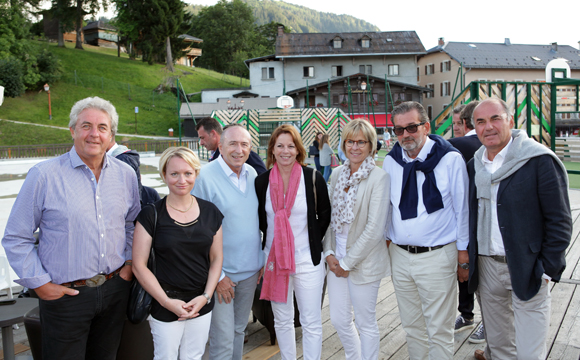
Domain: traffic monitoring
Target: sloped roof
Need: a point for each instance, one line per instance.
(205, 109)
(364, 77)
(382, 43)
(511, 56)
(99, 25)
(190, 38)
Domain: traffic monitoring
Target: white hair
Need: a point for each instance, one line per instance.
(94, 103)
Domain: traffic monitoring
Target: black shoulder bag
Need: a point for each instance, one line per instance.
(139, 305)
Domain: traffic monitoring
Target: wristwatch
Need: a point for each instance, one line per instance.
(207, 297)
(464, 266)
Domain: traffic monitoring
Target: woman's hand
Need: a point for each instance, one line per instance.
(193, 307)
(177, 307)
(332, 263)
(340, 272)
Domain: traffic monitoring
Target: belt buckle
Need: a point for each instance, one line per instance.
(96, 281)
(413, 248)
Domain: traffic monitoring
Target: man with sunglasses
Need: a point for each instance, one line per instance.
(429, 231)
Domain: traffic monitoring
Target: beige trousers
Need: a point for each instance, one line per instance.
(426, 289)
(514, 329)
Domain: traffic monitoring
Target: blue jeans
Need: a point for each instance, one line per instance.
(317, 163)
(327, 171)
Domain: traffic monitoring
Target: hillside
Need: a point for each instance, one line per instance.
(301, 19)
(126, 83)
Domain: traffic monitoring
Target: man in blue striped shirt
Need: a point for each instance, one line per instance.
(84, 203)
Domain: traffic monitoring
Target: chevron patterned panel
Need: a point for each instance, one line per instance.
(326, 120)
(520, 116)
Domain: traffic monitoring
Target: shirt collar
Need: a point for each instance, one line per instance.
(471, 133)
(112, 149)
(76, 161)
(501, 154)
(423, 153)
(226, 168)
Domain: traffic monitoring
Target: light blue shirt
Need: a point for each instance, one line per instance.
(86, 227)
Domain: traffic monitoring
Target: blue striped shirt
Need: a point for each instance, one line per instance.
(86, 228)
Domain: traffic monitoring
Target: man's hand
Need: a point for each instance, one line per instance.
(462, 257)
(126, 272)
(332, 262)
(260, 275)
(225, 290)
(50, 291)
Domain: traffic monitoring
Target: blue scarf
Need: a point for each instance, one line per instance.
(431, 195)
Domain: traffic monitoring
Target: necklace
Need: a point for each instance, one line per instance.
(182, 211)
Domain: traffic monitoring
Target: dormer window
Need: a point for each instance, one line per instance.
(337, 43)
(366, 43)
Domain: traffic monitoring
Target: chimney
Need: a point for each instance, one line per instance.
(280, 30)
(579, 45)
(555, 47)
(507, 42)
(441, 41)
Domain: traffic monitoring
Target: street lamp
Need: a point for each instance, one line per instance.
(363, 87)
(47, 89)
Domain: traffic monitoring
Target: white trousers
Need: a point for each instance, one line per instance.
(426, 289)
(346, 297)
(307, 285)
(514, 329)
(186, 338)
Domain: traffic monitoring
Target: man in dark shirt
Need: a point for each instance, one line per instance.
(209, 131)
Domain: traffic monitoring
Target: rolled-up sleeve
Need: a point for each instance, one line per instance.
(134, 209)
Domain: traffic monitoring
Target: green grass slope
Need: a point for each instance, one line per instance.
(126, 83)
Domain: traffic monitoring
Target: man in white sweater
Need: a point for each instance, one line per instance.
(229, 183)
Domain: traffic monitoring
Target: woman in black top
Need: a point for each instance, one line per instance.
(188, 253)
(316, 153)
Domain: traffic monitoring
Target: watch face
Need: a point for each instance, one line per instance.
(464, 266)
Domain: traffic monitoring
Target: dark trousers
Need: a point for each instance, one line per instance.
(317, 163)
(86, 326)
(466, 301)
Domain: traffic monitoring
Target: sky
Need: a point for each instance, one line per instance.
(490, 21)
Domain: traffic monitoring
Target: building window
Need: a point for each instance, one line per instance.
(393, 70)
(335, 99)
(369, 69)
(429, 69)
(429, 94)
(337, 43)
(308, 71)
(361, 69)
(430, 112)
(267, 73)
(445, 88)
(337, 70)
(446, 66)
(366, 43)
(418, 74)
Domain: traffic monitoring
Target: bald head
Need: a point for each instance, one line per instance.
(235, 146)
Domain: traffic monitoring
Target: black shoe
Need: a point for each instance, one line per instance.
(462, 323)
(478, 336)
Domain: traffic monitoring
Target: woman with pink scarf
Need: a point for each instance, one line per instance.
(354, 246)
(294, 212)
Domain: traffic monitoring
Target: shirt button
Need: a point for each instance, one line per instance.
(92, 179)
(102, 235)
(102, 255)
(97, 196)
(99, 216)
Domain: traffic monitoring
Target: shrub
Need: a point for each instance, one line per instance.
(11, 77)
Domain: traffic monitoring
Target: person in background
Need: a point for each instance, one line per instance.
(85, 204)
(387, 139)
(325, 156)
(316, 145)
(294, 214)
(354, 246)
(186, 234)
(210, 131)
(459, 127)
(228, 182)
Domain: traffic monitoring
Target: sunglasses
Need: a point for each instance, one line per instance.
(411, 129)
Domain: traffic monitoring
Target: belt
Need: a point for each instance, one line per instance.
(499, 258)
(419, 249)
(95, 281)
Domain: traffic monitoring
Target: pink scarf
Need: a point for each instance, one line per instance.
(281, 263)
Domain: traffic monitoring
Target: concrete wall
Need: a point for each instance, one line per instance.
(212, 96)
(267, 87)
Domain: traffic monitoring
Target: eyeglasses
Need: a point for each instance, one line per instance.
(360, 143)
(411, 129)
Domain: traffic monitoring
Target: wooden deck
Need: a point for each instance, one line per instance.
(563, 338)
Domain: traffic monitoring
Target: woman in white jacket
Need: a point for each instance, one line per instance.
(355, 247)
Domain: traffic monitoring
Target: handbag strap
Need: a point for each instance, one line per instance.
(314, 188)
(152, 261)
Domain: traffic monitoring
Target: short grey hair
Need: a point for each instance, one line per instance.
(459, 109)
(408, 106)
(503, 104)
(98, 104)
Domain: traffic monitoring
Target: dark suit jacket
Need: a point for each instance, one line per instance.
(318, 216)
(533, 212)
(254, 161)
(467, 146)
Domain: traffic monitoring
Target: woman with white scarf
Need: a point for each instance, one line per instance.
(354, 246)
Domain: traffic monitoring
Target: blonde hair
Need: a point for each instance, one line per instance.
(323, 140)
(182, 152)
(356, 126)
(291, 130)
